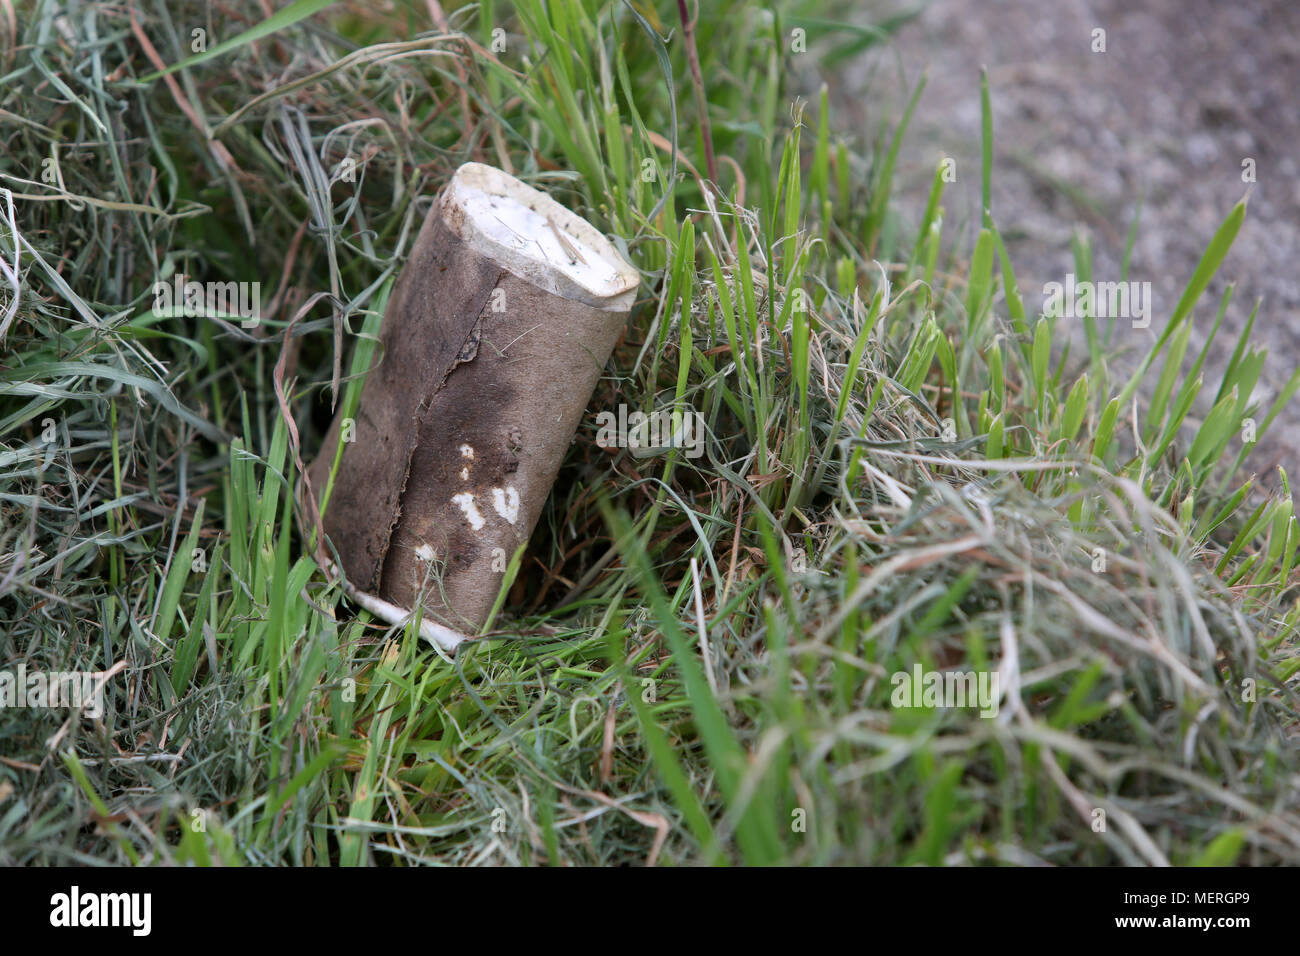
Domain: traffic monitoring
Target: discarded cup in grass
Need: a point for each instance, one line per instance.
(493, 340)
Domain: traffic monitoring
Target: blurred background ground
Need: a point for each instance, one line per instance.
(1185, 90)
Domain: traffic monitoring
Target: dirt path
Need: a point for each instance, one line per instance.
(1184, 92)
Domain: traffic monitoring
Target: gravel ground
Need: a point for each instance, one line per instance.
(1183, 93)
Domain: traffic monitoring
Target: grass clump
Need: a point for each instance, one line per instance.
(698, 657)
